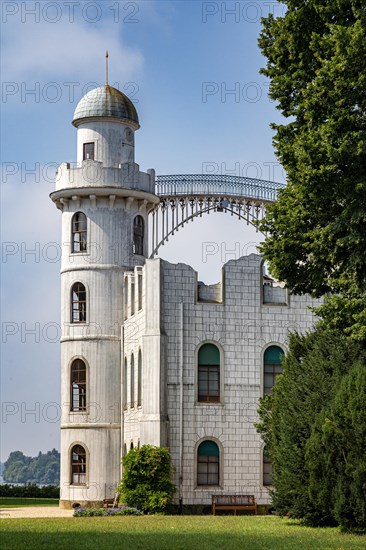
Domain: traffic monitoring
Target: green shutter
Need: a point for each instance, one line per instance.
(273, 355)
(209, 355)
(208, 448)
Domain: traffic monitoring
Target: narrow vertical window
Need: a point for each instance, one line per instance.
(209, 374)
(125, 384)
(78, 303)
(132, 382)
(139, 291)
(79, 232)
(132, 297)
(139, 379)
(88, 151)
(126, 298)
(272, 367)
(78, 386)
(208, 464)
(78, 465)
(138, 235)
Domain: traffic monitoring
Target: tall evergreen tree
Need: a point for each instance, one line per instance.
(315, 420)
(316, 230)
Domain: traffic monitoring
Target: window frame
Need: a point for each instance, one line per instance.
(132, 381)
(214, 368)
(139, 378)
(83, 310)
(125, 381)
(218, 461)
(83, 243)
(83, 408)
(138, 240)
(85, 150)
(265, 388)
(74, 464)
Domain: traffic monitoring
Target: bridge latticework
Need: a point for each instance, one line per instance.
(185, 197)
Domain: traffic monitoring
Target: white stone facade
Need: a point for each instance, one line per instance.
(169, 329)
(154, 315)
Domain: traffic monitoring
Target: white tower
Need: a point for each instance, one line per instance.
(104, 202)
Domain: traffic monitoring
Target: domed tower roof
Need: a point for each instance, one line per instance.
(106, 101)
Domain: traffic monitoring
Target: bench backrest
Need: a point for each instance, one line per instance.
(235, 500)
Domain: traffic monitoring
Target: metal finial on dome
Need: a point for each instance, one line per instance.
(106, 68)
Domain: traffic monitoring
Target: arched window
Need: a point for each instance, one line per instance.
(272, 367)
(125, 384)
(132, 296)
(132, 382)
(138, 235)
(209, 374)
(208, 463)
(78, 303)
(126, 298)
(131, 446)
(139, 379)
(79, 232)
(139, 291)
(78, 465)
(78, 385)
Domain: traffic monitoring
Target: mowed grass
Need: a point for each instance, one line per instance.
(15, 502)
(171, 533)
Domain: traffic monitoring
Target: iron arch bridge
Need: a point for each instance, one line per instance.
(188, 196)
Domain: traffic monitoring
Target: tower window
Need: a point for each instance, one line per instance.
(78, 465)
(272, 367)
(88, 151)
(138, 235)
(79, 232)
(208, 464)
(209, 374)
(78, 385)
(78, 303)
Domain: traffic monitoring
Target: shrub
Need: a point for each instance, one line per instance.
(146, 480)
(104, 512)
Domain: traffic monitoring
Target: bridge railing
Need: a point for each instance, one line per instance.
(216, 184)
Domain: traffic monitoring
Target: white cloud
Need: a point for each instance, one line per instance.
(66, 50)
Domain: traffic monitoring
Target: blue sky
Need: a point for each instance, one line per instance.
(178, 61)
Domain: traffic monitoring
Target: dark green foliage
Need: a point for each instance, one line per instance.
(146, 482)
(316, 62)
(30, 490)
(336, 452)
(43, 469)
(314, 424)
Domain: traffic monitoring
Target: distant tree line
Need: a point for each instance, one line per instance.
(43, 469)
(30, 490)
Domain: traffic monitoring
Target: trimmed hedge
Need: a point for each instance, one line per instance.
(30, 490)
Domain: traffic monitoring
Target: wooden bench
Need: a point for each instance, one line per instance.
(233, 502)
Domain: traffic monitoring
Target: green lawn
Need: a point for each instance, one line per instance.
(15, 502)
(170, 533)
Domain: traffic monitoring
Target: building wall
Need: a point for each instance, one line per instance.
(242, 326)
